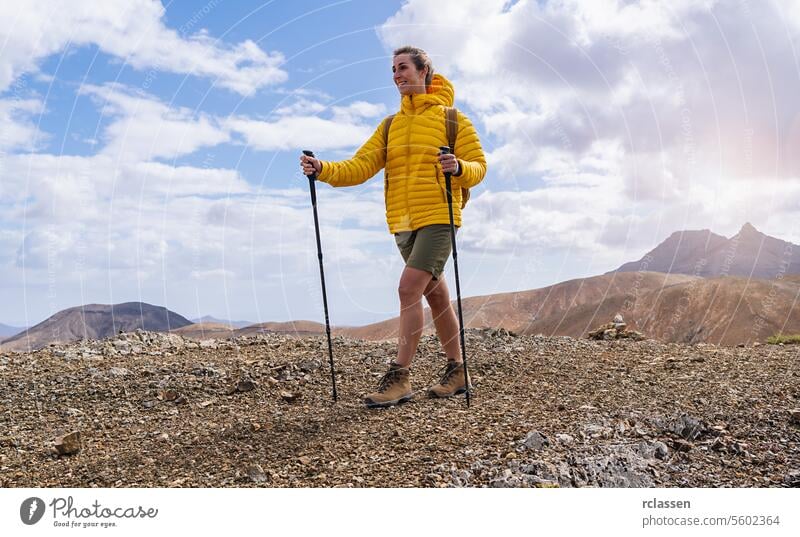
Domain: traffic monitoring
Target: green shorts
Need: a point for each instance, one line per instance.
(426, 248)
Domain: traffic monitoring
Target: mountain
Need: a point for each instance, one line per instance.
(7, 331)
(95, 321)
(668, 307)
(749, 253)
(206, 319)
(296, 328)
(205, 331)
(223, 330)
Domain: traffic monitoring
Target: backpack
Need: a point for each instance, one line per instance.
(451, 122)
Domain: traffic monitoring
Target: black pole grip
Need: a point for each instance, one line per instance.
(308, 153)
(445, 150)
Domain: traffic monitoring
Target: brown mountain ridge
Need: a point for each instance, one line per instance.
(668, 307)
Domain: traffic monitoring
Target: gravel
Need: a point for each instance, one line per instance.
(148, 409)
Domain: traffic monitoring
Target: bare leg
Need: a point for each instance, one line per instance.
(412, 284)
(444, 318)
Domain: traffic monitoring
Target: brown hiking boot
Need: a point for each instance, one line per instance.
(393, 389)
(452, 382)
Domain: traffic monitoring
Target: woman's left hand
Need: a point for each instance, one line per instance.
(449, 162)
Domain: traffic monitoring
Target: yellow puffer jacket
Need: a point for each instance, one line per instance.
(414, 186)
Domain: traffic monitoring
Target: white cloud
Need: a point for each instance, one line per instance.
(135, 32)
(301, 106)
(345, 129)
(552, 218)
(348, 114)
(145, 128)
(48, 189)
(18, 130)
(298, 133)
(628, 20)
(165, 180)
(357, 110)
(43, 248)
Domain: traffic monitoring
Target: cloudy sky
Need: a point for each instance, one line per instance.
(148, 150)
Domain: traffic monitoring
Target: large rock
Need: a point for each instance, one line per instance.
(613, 466)
(535, 441)
(689, 427)
(617, 329)
(67, 444)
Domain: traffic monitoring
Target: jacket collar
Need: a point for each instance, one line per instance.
(440, 92)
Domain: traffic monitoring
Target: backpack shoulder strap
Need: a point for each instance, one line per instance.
(452, 127)
(386, 124)
(452, 134)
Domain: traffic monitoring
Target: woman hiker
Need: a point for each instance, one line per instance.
(417, 210)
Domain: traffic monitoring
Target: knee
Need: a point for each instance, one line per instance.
(438, 298)
(408, 294)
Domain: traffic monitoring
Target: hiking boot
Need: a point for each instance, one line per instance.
(452, 382)
(393, 389)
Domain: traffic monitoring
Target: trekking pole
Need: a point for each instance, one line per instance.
(312, 187)
(445, 150)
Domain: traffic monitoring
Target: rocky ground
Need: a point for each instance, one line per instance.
(158, 410)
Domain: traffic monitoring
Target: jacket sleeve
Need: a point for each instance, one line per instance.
(469, 153)
(367, 161)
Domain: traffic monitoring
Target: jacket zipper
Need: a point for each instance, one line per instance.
(408, 167)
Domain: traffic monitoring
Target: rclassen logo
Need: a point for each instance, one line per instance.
(31, 511)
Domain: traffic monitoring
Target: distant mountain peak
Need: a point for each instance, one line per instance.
(678, 233)
(749, 253)
(212, 319)
(693, 236)
(96, 321)
(749, 229)
(7, 331)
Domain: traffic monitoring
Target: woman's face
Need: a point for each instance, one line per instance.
(406, 76)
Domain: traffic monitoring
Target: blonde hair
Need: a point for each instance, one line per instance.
(420, 59)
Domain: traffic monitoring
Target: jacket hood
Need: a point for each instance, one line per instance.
(440, 92)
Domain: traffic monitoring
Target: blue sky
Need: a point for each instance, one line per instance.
(149, 150)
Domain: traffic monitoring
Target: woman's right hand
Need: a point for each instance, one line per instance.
(310, 165)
